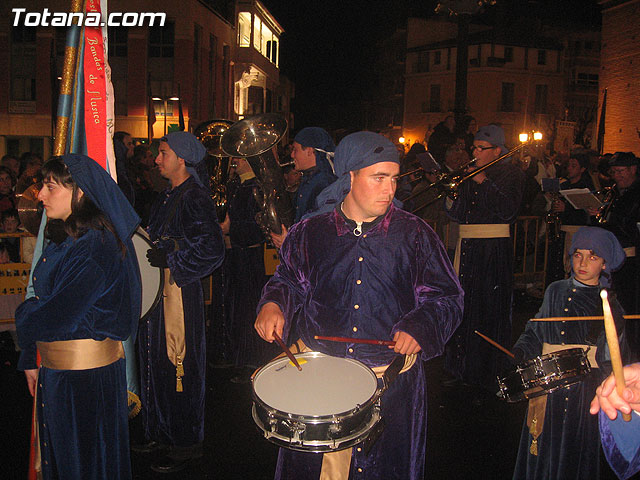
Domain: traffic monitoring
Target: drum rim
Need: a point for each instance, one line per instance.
(313, 419)
(528, 389)
(143, 235)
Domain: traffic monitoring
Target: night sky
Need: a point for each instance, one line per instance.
(329, 47)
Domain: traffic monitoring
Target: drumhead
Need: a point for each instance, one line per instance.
(326, 385)
(152, 280)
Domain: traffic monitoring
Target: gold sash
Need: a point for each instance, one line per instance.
(81, 354)
(538, 405)
(174, 326)
(479, 230)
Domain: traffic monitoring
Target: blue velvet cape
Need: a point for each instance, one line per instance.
(621, 444)
(246, 276)
(406, 283)
(170, 417)
(486, 276)
(569, 444)
(83, 289)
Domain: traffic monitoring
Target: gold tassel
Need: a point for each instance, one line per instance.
(534, 447)
(134, 403)
(179, 374)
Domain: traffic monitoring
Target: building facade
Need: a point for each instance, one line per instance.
(620, 75)
(522, 81)
(220, 58)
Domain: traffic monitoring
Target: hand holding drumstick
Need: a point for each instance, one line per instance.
(609, 401)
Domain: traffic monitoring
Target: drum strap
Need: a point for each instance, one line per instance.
(174, 326)
(538, 405)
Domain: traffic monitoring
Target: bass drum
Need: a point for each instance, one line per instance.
(152, 277)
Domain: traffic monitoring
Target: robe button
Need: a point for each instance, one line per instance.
(569, 299)
(360, 259)
(359, 449)
(358, 282)
(37, 297)
(562, 332)
(566, 309)
(45, 444)
(44, 259)
(355, 329)
(359, 470)
(364, 236)
(351, 350)
(356, 306)
(573, 290)
(34, 278)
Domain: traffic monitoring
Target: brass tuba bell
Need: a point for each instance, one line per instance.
(253, 138)
(210, 133)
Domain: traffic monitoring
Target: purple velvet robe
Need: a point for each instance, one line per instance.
(486, 276)
(396, 276)
(170, 417)
(569, 445)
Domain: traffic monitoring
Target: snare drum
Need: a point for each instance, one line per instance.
(544, 374)
(332, 404)
(152, 277)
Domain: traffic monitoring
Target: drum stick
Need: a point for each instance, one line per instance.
(390, 343)
(286, 350)
(572, 319)
(614, 348)
(496, 344)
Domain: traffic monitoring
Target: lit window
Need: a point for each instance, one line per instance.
(244, 29)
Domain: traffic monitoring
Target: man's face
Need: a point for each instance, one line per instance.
(169, 165)
(128, 142)
(484, 152)
(624, 176)
(12, 164)
(10, 225)
(587, 266)
(305, 157)
(450, 123)
(372, 190)
(5, 184)
(574, 170)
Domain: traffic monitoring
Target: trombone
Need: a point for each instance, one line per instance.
(449, 183)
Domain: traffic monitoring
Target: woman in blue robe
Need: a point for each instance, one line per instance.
(568, 444)
(87, 301)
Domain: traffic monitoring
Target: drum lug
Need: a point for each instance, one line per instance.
(296, 429)
(336, 426)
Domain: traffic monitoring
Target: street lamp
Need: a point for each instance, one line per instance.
(165, 100)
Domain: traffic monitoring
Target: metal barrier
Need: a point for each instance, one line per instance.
(530, 248)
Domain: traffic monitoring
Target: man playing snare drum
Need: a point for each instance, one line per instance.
(364, 268)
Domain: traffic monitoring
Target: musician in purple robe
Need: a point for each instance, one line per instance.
(559, 437)
(364, 268)
(188, 246)
(486, 206)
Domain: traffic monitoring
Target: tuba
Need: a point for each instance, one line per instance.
(253, 138)
(209, 134)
